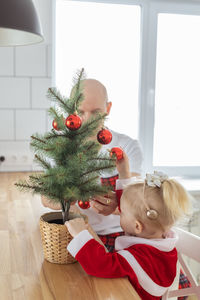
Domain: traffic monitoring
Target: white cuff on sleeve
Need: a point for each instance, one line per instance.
(78, 242)
(122, 183)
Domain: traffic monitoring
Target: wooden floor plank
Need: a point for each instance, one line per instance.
(24, 274)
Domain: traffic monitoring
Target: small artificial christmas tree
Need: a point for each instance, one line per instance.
(69, 156)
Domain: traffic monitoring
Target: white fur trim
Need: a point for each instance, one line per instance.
(165, 245)
(145, 281)
(78, 242)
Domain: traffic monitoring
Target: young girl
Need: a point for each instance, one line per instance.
(146, 253)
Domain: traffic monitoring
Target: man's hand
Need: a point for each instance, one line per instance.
(104, 205)
(75, 226)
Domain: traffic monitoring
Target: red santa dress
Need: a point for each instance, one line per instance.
(149, 264)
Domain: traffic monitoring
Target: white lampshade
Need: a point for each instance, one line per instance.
(19, 23)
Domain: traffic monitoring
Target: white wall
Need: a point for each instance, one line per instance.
(25, 75)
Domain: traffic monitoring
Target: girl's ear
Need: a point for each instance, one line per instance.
(138, 227)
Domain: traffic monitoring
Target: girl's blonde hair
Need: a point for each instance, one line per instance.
(170, 201)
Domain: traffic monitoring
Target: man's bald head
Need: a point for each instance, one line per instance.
(93, 86)
(95, 98)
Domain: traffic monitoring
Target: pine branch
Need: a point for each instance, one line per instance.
(49, 175)
(90, 146)
(77, 80)
(78, 100)
(38, 142)
(37, 139)
(89, 124)
(102, 158)
(55, 95)
(22, 185)
(76, 95)
(43, 162)
(28, 186)
(97, 169)
(33, 178)
(72, 193)
(37, 189)
(102, 190)
(89, 180)
(55, 114)
(49, 149)
(39, 178)
(53, 134)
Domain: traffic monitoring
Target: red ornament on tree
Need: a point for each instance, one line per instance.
(117, 151)
(104, 136)
(84, 205)
(55, 125)
(73, 122)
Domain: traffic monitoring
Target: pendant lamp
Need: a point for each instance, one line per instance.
(19, 23)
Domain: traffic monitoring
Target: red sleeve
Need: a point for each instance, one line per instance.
(97, 262)
(118, 195)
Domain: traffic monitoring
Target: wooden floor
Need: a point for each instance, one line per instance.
(24, 275)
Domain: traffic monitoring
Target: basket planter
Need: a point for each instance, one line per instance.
(55, 238)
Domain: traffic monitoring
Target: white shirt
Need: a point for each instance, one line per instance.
(110, 224)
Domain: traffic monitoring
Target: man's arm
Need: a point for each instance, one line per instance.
(135, 174)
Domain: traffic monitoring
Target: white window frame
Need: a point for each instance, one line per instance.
(146, 98)
(147, 79)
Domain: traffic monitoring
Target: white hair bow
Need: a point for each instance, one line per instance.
(155, 179)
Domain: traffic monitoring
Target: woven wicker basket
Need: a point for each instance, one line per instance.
(55, 238)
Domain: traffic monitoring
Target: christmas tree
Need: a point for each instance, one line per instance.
(68, 154)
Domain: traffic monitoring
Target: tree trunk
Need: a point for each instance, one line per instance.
(65, 211)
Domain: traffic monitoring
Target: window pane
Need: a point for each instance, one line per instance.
(104, 39)
(177, 97)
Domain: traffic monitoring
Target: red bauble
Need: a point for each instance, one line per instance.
(117, 151)
(84, 205)
(73, 122)
(104, 136)
(55, 125)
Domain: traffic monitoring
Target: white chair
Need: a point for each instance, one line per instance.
(189, 245)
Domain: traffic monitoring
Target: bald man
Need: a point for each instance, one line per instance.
(100, 215)
(103, 221)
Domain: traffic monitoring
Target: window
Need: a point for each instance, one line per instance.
(104, 39)
(177, 93)
(147, 55)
